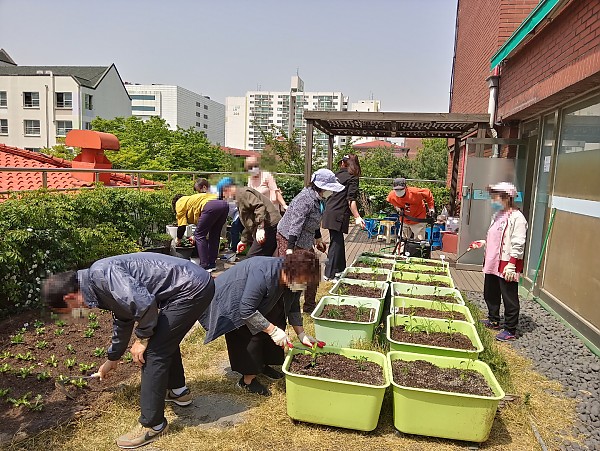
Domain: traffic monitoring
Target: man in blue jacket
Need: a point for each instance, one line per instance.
(165, 296)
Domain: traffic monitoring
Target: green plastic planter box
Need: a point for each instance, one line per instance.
(340, 333)
(415, 267)
(395, 257)
(408, 290)
(443, 414)
(400, 302)
(407, 277)
(437, 325)
(383, 286)
(427, 261)
(363, 259)
(335, 403)
(358, 269)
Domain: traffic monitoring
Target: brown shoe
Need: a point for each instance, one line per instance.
(140, 436)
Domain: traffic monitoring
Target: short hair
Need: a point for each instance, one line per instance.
(201, 183)
(301, 264)
(174, 201)
(57, 286)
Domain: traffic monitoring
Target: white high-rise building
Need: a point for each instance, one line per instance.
(366, 106)
(179, 107)
(260, 110)
(39, 104)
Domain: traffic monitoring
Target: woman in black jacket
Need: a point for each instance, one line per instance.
(336, 217)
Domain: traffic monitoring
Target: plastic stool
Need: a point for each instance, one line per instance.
(387, 228)
(371, 226)
(436, 237)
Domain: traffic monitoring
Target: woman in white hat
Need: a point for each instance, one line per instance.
(300, 226)
(503, 263)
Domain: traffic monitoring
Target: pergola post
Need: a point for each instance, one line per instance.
(454, 176)
(308, 152)
(330, 152)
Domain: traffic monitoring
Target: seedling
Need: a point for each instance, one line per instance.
(128, 358)
(84, 367)
(61, 379)
(42, 344)
(70, 348)
(52, 361)
(23, 372)
(92, 317)
(99, 352)
(70, 363)
(88, 333)
(5, 355)
(36, 405)
(60, 323)
(4, 392)
(43, 376)
(93, 325)
(37, 324)
(342, 289)
(334, 313)
(5, 368)
(26, 356)
(22, 401)
(361, 362)
(17, 338)
(79, 382)
(40, 330)
(312, 351)
(59, 332)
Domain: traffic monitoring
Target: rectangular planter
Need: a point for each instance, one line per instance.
(407, 277)
(335, 403)
(383, 286)
(352, 269)
(385, 256)
(361, 258)
(429, 261)
(341, 333)
(414, 267)
(443, 414)
(399, 302)
(439, 325)
(408, 290)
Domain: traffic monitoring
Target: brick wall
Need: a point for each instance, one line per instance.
(564, 53)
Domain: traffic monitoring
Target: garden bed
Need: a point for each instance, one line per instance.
(37, 351)
(407, 334)
(374, 265)
(338, 367)
(428, 282)
(432, 313)
(366, 276)
(347, 289)
(348, 313)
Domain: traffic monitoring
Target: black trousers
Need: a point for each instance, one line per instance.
(268, 248)
(248, 354)
(163, 368)
(336, 257)
(495, 290)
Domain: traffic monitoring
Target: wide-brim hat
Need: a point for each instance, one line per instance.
(326, 180)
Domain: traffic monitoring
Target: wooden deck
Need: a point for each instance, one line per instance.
(357, 241)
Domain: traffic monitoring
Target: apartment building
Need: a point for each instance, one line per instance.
(39, 104)
(179, 107)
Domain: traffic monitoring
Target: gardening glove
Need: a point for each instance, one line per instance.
(279, 337)
(289, 251)
(360, 222)
(321, 246)
(241, 247)
(306, 340)
(476, 244)
(260, 235)
(510, 274)
(106, 368)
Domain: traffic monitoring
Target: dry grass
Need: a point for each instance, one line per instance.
(267, 425)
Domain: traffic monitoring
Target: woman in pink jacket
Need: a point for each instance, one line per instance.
(503, 264)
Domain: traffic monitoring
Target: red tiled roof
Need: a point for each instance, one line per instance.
(21, 158)
(375, 144)
(240, 152)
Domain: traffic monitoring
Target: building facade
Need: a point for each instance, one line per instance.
(263, 111)
(179, 107)
(39, 104)
(548, 71)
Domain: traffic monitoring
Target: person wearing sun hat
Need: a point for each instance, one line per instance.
(503, 261)
(300, 226)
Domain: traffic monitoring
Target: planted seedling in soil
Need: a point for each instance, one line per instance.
(22, 401)
(85, 367)
(423, 335)
(359, 314)
(43, 376)
(23, 372)
(128, 358)
(40, 330)
(37, 324)
(70, 363)
(52, 361)
(17, 339)
(70, 348)
(88, 333)
(4, 392)
(366, 276)
(5, 368)
(338, 367)
(433, 313)
(59, 332)
(93, 325)
(79, 382)
(99, 352)
(92, 317)
(42, 344)
(60, 323)
(358, 290)
(26, 356)
(5, 355)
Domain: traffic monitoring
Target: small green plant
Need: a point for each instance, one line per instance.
(99, 352)
(312, 351)
(42, 344)
(93, 325)
(26, 356)
(361, 363)
(128, 358)
(70, 348)
(361, 311)
(342, 289)
(5, 368)
(52, 361)
(22, 401)
(37, 323)
(4, 392)
(43, 376)
(334, 313)
(17, 338)
(62, 379)
(5, 355)
(79, 382)
(40, 330)
(23, 372)
(85, 367)
(70, 363)
(92, 317)
(60, 323)
(36, 405)
(59, 332)
(88, 333)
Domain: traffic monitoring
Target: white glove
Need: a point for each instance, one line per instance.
(306, 340)
(260, 235)
(510, 274)
(279, 337)
(360, 222)
(289, 251)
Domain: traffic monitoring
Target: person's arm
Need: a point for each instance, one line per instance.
(255, 291)
(428, 198)
(280, 200)
(301, 210)
(517, 239)
(120, 338)
(181, 216)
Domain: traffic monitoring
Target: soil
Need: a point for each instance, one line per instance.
(440, 272)
(21, 422)
(422, 374)
(374, 264)
(366, 276)
(433, 283)
(338, 367)
(442, 339)
(347, 289)
(434, 297)
(348, 313)
(432, 313)
(435, 264)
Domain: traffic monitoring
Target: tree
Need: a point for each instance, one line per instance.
(431, 162)
(381, 162)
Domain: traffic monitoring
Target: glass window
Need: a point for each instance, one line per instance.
(31, 99)
(63, 127)
(88, 101)
(198, 124)
(32, 127)
(142, 108)
(64, 100)
(206, 116)
(3, 101)
(87, 126)
(205, 126)
(206, 107)
(4, 126)
(142, 97)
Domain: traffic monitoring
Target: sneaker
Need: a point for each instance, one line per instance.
(272, 373)
(254, 387)
(505, 336)
(495, 325)
(140, 436)
(184, 399)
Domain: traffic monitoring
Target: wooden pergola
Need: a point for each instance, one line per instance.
(455, 126)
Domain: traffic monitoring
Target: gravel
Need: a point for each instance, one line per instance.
(558, 354)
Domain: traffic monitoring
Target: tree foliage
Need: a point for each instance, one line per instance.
(431, 162)
(381, 162)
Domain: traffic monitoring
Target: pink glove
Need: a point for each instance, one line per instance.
(477, 244)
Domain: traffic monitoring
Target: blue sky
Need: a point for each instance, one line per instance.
(399, 51)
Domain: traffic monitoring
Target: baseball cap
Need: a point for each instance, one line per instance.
(325, 179)
(504, 187)
(400, 182)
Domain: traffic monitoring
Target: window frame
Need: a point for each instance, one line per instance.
(3, 132)
(39, 127)
(67, 130)
(5, 98)
(33, 105)
(88, 102)
(64, 105)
